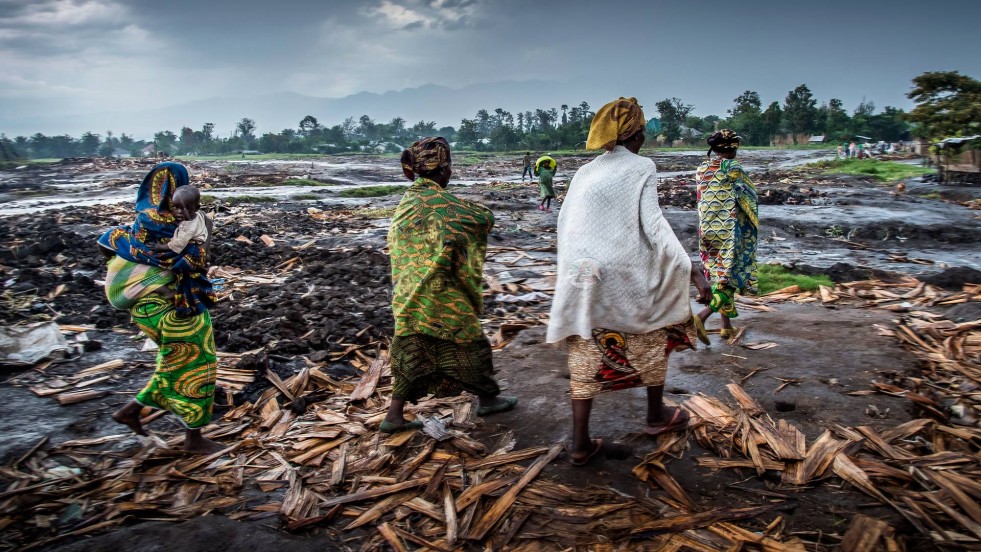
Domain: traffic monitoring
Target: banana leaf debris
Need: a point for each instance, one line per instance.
(304, 448)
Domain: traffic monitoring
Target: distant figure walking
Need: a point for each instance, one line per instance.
(527, 169)
(727, 228)
(545, 168)
(852, 149)
(841, 152)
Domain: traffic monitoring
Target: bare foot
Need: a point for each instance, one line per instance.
(131, 420)
(202, 445)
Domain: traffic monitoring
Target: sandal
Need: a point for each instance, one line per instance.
(726, 333)
(389, 427)
(597, 447)
(700, 330)
(507, 403)
(678, 421)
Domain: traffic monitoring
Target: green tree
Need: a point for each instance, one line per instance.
(837, 120)
(165, 141)
(309, 126)
(772, 121)
(746, 118)
(947, 104)
(367, 128)
(799, 110)
(89, 144)
(424, 128)
(246, 130)
(673, 114)
(108, 145)
(469, 132)
(747, 102)
(504, 138)
(189, 140)
(890, 125)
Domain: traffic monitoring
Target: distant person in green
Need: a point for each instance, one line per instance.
(527, 169)
(545, 168)
(438, 243)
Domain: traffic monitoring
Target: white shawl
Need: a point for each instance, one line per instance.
(620, 266)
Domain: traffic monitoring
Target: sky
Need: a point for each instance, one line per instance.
(61, 57)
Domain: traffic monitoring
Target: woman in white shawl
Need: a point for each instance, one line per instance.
(622, 296)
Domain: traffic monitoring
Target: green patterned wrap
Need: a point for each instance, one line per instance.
(187, 366)
(424, 365)
(438, 243)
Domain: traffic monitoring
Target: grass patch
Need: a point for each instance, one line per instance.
(387, 212)
(373, 191)
(304, 197)
(931, 195)
(21, 162)
(883, 171)
(207, 199)
(303, 182)
(774, 277)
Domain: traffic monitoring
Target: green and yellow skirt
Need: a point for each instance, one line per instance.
(187, 366)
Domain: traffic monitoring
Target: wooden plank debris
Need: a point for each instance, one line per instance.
(312, 438)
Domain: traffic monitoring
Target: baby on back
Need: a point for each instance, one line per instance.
(193, 227)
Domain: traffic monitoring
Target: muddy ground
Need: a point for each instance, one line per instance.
(336, 294)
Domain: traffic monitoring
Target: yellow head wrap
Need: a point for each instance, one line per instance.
(614, 122)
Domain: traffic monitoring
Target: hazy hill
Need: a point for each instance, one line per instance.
(274, 112)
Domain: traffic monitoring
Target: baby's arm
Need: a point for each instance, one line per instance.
(182, 236)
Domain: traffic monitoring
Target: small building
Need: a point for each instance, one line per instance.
(816, 139)
(958, 159)
(149, 151)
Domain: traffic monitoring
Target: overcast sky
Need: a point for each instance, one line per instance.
(75, 56)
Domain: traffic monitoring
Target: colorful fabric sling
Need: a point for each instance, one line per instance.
(155, 224)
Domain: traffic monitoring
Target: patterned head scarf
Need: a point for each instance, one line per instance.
(614, 122)
(723, 141)
(426, 156)
(156, 193)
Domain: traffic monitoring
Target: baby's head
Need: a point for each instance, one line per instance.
(186, 202)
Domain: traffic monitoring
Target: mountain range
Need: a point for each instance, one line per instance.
(274, 112)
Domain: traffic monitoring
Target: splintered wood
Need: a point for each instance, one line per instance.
(310, 444)
(927, 469)
(326, 464)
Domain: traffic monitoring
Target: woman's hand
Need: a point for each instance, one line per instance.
(702, 285)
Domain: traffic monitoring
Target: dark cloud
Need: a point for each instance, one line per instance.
(97, 55)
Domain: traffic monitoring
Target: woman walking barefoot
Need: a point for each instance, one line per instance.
(168, 297)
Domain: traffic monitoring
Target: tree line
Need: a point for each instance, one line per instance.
(947, 104)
